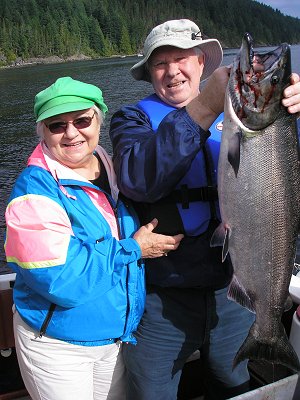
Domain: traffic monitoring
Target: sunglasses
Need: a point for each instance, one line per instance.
(78, 123)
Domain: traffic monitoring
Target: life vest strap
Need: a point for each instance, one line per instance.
(185, 195)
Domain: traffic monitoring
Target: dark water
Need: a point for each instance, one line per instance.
(18, 86)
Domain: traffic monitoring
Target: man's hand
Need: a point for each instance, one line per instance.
(291, 95)
(209, 104)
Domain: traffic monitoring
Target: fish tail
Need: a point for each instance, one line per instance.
(278, 350)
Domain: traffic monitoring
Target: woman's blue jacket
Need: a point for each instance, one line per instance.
(79, 277)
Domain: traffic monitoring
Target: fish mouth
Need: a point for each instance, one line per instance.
(257, 82)
(268, 61)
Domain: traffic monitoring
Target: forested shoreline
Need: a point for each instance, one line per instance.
(45, 30)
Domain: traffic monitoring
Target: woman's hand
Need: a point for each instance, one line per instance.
(154, 244)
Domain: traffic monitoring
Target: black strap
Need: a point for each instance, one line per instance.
(208, 163)
(185, 195)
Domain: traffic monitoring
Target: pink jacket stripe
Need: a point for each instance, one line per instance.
(41, 237)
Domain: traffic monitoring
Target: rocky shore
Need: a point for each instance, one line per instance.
(45, 60)
(55, 60)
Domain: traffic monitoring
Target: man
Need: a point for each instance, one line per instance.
(163, 164)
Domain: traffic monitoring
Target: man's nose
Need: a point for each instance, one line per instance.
(173, 69)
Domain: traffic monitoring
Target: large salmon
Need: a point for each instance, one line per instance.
(259, 194)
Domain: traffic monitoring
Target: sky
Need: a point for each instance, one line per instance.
(288, 7)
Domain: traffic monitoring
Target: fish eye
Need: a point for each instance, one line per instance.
(275, 79)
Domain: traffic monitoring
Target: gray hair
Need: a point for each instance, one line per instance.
(198, 51)
(41, 125)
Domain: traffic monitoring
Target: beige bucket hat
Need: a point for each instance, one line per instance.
(184, 34)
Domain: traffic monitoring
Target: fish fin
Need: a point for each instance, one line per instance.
(277, 350)
(234, 152)
(288, 304)
(220, 237)
(217, 238)
(226, 244)
(237, 293)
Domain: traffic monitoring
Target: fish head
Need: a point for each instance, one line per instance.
(256, 83)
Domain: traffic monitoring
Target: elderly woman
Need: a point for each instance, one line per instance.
(77, 252)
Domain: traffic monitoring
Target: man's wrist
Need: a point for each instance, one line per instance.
(201, 113)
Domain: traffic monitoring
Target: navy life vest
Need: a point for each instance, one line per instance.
(196, 193)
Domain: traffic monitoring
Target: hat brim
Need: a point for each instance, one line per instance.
(210, 47)
(72, 104)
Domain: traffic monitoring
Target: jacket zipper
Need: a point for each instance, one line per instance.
(114, 206)
(115, 210)
(47, 319)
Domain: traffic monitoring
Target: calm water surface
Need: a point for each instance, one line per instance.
(18, 86)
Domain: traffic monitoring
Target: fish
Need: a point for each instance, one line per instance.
(259, 197)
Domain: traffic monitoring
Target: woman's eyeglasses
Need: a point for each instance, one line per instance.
(78, 123)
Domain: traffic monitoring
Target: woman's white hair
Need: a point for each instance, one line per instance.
(40, 126)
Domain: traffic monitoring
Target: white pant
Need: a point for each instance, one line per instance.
(55, 370)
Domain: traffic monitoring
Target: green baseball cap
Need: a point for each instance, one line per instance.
(67, 95)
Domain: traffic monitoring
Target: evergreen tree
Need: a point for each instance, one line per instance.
(125, 46)
(40, 28)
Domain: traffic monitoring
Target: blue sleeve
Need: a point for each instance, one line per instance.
(149, 164)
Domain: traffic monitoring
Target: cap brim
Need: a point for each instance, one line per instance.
(64, 108)
(210, 47)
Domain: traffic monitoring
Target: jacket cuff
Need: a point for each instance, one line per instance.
(131, 246)
(189, 120)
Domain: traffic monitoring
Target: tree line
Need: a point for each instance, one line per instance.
(102, 28)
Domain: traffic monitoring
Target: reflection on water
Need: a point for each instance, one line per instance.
(18, 87)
